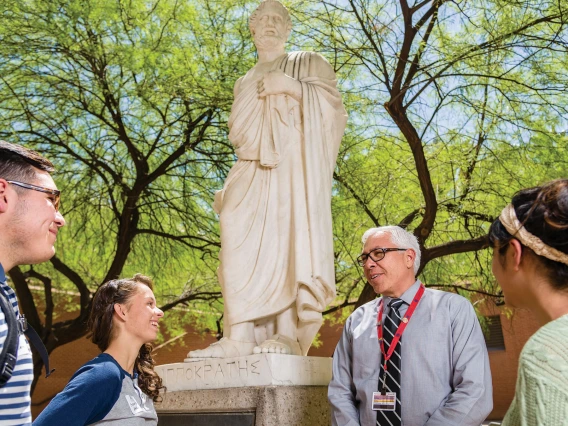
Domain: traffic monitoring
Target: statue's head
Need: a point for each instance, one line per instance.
(270, 24)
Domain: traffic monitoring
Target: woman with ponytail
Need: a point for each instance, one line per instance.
(120, 385)
(530, 262)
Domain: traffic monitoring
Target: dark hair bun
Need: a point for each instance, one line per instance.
(554, 198)
(543, 211)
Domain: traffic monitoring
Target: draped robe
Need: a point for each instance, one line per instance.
(275, 206)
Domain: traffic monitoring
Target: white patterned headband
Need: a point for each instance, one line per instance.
(509, 220)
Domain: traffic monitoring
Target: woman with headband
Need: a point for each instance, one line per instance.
(119, 386)
(530, 262)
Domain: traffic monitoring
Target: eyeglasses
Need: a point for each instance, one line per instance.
(55, 192)
(376, 255)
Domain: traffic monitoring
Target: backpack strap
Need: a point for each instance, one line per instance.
(36, 341)
(9, 354)
(17, 326)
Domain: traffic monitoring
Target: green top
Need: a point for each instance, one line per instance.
(541, 396)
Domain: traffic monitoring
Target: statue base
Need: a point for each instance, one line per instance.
(251, 406)
(254, 390)
(251, 370)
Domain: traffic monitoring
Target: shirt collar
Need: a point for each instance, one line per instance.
(2, 274)
(408, 295)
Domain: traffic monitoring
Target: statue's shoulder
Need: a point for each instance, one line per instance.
(301, 54)
(313, 61)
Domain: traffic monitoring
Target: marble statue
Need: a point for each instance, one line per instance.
(276, 261)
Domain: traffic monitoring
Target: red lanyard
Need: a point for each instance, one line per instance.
(399, 330)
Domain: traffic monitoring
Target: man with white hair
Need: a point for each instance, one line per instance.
(439, 376)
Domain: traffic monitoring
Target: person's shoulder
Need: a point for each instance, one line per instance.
(369, 308)
(362, 317)
(90, 394)
(456, 306)
(100, 370)
(447, 298)
(549, 340)
(545, 355)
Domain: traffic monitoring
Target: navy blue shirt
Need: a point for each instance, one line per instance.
(100, 391)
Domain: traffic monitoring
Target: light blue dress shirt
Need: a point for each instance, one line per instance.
(446, 378)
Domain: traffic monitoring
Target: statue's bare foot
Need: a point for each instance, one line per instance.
(224, 348)
(279, 344)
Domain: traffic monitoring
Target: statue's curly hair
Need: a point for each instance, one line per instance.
(101, 328)
(254, 16)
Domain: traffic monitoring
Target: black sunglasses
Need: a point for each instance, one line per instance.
(55, 192)
(376, 255)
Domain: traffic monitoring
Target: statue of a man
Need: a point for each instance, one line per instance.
(277, 262)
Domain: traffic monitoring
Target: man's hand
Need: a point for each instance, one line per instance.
(277, 83)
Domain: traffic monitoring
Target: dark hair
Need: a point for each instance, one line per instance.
(101, 328)
(543, 211)
(18, 163)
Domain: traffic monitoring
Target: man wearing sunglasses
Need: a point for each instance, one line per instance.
(415, 356)
(29, 223)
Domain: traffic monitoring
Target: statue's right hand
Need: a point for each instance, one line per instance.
(274, 83)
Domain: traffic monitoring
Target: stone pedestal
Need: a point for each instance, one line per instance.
(256, 390)
(265, 406)
(252, 370)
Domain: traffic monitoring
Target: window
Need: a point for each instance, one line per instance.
(494, 335)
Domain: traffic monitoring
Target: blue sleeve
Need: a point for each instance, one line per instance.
(88, 397)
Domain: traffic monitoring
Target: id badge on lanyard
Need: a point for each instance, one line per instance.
(386, 401)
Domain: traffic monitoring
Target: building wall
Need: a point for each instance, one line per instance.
(516, 330)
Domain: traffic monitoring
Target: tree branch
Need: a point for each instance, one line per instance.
(191, 296)
(453, 247)
(359, 200)
(75, 278)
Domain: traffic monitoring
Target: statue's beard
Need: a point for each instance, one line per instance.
(268, 42)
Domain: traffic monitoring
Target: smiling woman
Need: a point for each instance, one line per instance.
(121, 382)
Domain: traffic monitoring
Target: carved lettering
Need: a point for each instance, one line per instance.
(241, 369)
(219, 370)
(206, 369)
(179, 375)
(171, 374)
(231, 364)
(216, 371)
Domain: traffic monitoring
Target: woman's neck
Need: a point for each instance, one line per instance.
(123, 353)
(548, 304)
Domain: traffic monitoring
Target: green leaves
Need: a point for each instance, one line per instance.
(470, 90)
(452, 108)
(130, 100)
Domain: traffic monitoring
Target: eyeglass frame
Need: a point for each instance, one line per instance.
(366, 256)
(56, 192)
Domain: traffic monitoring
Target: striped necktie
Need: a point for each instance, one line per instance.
(392, 382)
